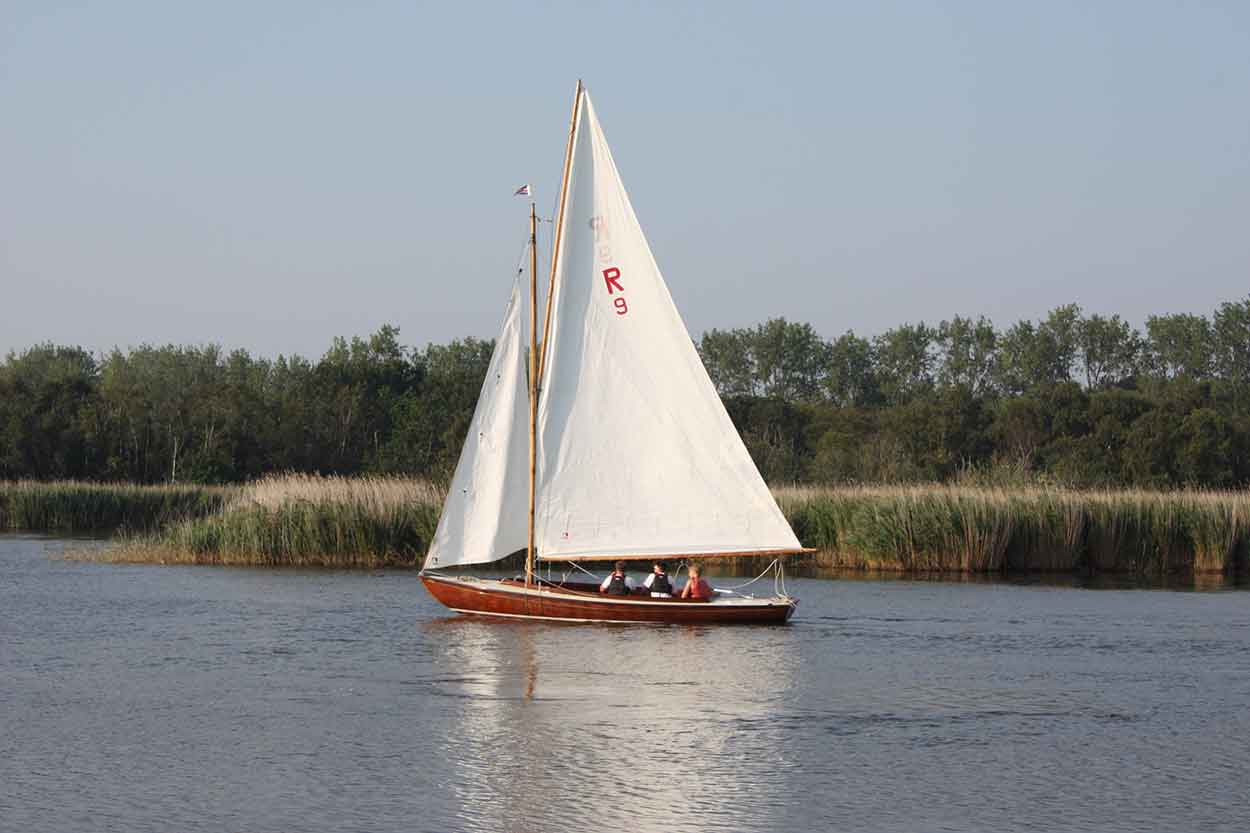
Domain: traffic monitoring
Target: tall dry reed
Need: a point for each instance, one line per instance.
(307, 520)
(989, 529)
(76, 506)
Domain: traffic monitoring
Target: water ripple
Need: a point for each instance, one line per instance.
(155, 699)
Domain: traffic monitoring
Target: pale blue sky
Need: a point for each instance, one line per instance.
(268, 175)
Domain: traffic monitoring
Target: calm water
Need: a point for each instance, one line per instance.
(180, 698)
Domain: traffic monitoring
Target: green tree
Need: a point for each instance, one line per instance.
(851, 378)
(844, 446)
(430, 422)
(775, 433)
(912, 403)
(1042, 354)
(1112, 414)
(292, 403)
(968, 353)
(1179, 345)
(790, 360)
(45, 394)
(905, 361)
(149, 395)
(1110, 350)
(1149, 451)
(960, 423)
(1021, 428)
(1231, 331)
(358, 383)
(1205, 449)
(726, 355)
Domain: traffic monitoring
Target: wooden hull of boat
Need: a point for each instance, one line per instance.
(492, 597)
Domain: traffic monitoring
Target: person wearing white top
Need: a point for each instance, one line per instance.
(658, 583)
(617, 584)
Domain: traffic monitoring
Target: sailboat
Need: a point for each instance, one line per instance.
(612, 445)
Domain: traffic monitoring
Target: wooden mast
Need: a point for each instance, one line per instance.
(538, 360)
(555, 246)
(529, 546)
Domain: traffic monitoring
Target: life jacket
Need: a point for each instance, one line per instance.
(660, 584)
(699, 589)
(617, 586)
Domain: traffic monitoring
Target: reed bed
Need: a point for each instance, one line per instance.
(993, 529)
(304, 520)
(76, 506)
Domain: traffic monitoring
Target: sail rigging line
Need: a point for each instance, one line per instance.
(779, 582)
(580, 567)
(520, 258)
(738, 587)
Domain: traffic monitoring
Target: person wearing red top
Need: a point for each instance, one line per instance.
(697, 588)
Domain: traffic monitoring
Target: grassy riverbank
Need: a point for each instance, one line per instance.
(977, 529)
(73, 506)
(300, 520)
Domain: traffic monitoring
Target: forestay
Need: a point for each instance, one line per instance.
(485, 516)
(637, 454)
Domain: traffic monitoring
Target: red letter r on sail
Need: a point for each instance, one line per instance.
(611, 276)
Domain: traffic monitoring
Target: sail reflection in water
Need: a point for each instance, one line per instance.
(638, 730)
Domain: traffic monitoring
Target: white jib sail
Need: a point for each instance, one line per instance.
(485, 516)
(638, 456)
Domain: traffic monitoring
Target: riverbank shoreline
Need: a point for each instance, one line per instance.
(382, 522)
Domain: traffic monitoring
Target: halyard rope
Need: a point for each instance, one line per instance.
(774, 563)
(583, 569)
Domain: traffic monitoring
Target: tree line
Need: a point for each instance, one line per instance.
(1081, 399)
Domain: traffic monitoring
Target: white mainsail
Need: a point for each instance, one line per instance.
(485, 516)
(637, 454)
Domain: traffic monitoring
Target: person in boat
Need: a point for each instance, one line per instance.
(658, 583)
(617, 584)
(697, 587)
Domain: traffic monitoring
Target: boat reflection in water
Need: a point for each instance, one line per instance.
(601, 726)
